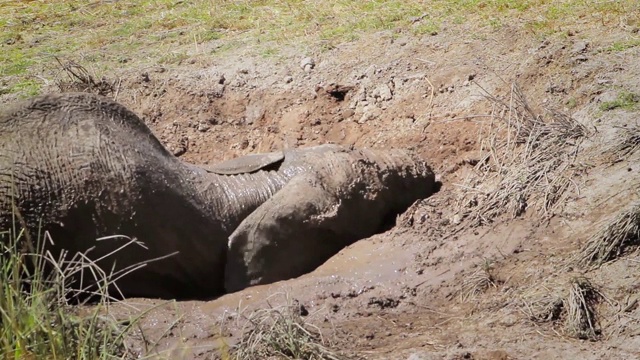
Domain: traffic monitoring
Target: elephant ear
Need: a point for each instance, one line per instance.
(246, 164)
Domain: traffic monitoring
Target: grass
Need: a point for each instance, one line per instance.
(528, 162)
(35, 32)
(281, 332)
(478, 282)
(625, 100)
(619, 46)
(581, 319)
(616, 237)
(36, 321)
(571, 304)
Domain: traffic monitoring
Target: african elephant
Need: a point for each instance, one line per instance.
(83, 167)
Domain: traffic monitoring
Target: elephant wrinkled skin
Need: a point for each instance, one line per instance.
(83, 167)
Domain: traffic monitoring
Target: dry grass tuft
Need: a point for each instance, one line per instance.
(529, 161)
(281, 332)
(546, 308)
(79, 79)
(613, 239)
(571, 304)
(627, 144)
(478, 282)
(581, 319)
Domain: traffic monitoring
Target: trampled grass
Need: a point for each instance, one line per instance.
(108, 34)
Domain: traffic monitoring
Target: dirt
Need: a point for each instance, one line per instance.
(404, 294)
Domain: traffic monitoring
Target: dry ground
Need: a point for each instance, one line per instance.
(534, 136)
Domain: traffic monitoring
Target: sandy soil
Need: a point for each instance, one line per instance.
(408, 293)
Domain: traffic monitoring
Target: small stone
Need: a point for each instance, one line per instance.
(288, 79)
(580, 58)
(383, 92)
(307, 64)
(202, 127)
(580, 47)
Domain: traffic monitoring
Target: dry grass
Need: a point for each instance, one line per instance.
(478, 282)
(581, 319)
(529, 161)
(281, 332)
(571, 304)
(79, 79)
(626, 144)
(614, 238)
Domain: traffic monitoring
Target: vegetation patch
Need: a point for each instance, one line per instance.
(478, 282)
(619, 46)
(281, 332)
(36, 321)
(572, 306)
(528, 160)
(616, 237)
(169, 31)
(625, 100)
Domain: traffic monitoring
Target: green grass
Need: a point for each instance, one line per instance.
(35, 320)
(625, 100)
(619, 46)
(36, 31)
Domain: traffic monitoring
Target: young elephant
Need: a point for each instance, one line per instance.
(83, 167)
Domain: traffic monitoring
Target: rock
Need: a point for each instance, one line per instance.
(369, 112)
(580, 58)
(202, 127)
(383, 93)
(579, 47)
(288, 79)
(254, 112)
(307, 64)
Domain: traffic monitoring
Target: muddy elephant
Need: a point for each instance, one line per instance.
(83, 167)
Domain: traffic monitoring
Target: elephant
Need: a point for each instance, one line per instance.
(81, 167)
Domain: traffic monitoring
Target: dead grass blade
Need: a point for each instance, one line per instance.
(627, 143)
(478, 282)
(281, 332)
(79, 79)
(613, 239)
(581, 319)
(570, 304)
(529, 161)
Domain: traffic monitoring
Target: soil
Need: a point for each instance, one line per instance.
(404, 293)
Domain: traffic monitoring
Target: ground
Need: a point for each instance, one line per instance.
(461, 275)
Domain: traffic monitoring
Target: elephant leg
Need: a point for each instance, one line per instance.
(299, 228)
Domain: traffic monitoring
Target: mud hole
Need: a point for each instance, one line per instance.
(409, 293)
